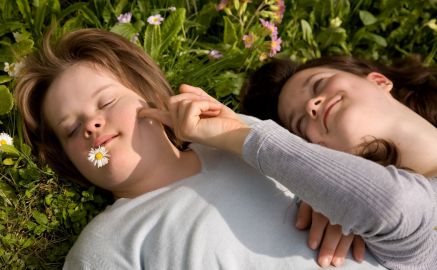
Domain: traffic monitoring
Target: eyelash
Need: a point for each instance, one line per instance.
(71, 133)
(107, 103)
(316, 86)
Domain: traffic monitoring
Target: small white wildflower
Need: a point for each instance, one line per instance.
(172, 8)
(13, 69)
(155, 19)
(98, 156)
(125, 18)
(214, 54)
(5, 139)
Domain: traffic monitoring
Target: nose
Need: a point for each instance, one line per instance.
(93, 125)
(313, 106)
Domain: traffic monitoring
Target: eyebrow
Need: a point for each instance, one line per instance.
(99, 90)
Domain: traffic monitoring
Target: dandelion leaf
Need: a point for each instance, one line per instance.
(6, 100)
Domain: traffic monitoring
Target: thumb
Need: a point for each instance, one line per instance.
(159, 115)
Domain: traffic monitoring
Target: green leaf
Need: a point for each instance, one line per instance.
(306, 31)
(24, 8)
(171, 27)
(40, 16)
(89, 15)
(22, 48)
(5, 79)
(120, 6)
(6, 100)
(126, 30)
(152, 39)
(26, 149)
(40, 218)
(9, 149)
(377, 39)
(6, 191)
(367, 18)
(7, 27)
(230, 33)
(8, 162)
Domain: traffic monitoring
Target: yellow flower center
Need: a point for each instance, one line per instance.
(99, 156)
(2, 142)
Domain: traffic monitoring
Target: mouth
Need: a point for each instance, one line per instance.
(328, 109)
(103, 140)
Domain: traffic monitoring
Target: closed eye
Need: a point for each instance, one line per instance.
(316, 86)
(73, 131)
(107, 103)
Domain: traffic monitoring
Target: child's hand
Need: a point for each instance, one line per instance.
(333, 244)
(195, 116)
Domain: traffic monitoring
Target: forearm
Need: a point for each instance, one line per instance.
(362, 196)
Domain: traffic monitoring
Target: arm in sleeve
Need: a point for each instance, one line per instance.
(392, 209)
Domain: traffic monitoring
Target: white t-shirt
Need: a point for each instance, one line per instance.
(227, 216)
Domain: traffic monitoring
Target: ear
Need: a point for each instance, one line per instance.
(380, 80)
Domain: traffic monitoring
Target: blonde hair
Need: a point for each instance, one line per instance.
(125, 60)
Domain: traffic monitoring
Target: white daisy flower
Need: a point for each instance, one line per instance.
(5, 139)
(13, 69)
(98, 156)
(155, 19)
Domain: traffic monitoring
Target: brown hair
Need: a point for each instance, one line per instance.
(126, 61)
(413, 85)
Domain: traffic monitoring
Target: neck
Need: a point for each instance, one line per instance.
(169, 168)
(415, 139)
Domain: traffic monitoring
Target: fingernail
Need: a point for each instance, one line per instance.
(338, 261)
(298, 224)
(326, 261)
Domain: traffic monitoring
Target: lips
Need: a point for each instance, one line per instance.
(328, 107)
(102, 140)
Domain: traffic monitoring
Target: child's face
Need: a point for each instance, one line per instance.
(335, 108)
(87, 107)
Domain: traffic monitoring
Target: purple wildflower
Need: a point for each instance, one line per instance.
(275, 46)
(125, 18)
(271, 27)
(248, 40)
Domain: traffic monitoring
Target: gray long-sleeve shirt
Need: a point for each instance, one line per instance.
(395, 211)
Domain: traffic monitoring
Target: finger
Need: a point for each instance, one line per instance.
(303, 219)
(159, 115)
(186, 96)
(318, 225)
(185, 88)
(342, 249)
(358, 248)
(329, 244)
(188, 116)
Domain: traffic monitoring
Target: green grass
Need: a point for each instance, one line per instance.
(41, 215)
